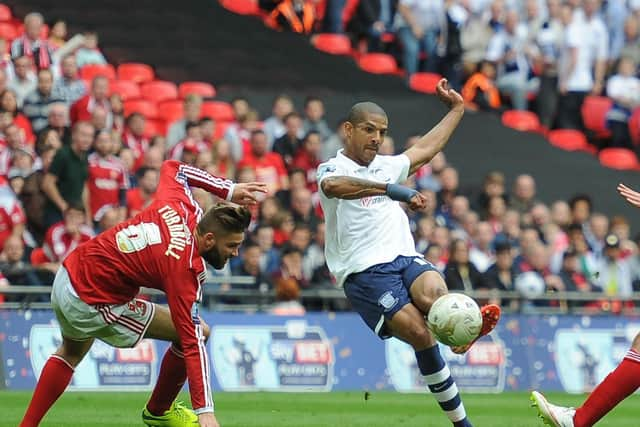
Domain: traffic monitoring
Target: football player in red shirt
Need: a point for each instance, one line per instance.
(164, 247)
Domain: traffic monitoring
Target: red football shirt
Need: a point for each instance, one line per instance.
(156, 248)
(269, 169)
(58, 243)
(107, 176)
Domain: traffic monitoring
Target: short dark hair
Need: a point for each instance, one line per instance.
(290, 115)
(224, 218)
(361, 109)
(140, 173)
(191, 125)
(205, 119)
(580, 198)
(311, 132)
(132, 116)
(257, 132)
(309, 99)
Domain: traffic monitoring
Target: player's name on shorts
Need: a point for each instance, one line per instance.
(179, 236)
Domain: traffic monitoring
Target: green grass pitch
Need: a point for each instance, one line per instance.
(307, 410)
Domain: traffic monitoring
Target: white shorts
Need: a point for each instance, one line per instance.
(121, 325)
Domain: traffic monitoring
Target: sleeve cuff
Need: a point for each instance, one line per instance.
(230, 194)
(203, 410)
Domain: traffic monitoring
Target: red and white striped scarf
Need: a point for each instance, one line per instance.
(43, 51)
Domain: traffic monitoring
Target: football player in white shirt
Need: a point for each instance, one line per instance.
(369, 247)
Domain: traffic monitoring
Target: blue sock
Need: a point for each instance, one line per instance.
(438, 378)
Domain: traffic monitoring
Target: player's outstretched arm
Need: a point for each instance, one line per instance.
(434, 141)
(630, 195)
(348, 188)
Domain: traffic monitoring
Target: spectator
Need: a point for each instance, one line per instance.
(474, 38)
(82, 109)
(270, 257)
(335, 142)
(501, 274)
(9, 105)
(481, 252)
(333, 16)
(57, 34)
(480, 91)
(239, 134)
(580, 206)
(12, 215)
(37, 103)
(208, 130)
(268, 166)
(64, 181)
(302, 208)
(18, 272)
(274, 126)
(63, 237)
(434, 255)
(314, 261)
(371, 20)
(30, 44)
(141, 196)
(291, 267)
(418, 25)
(188, 149)
(14, 139)
(572, 279)
(308, 158)
(598, 39)
(222, 161)
(536, 259)
(250, 265)
(89, 53)
(549, 42)
(314, 118)
(283, 225)
(69, 87)
(450, 49)
(524, 194)
(7, 72)
(24, 81)
(289, 143)
(496, 213)
(57, 122)
(597, 232)
(287, 298)
(460, 274)
(297, 16)
(624, 89)
(615, 274)
(107, 181)
(448, 189)
(34, 199)
(561, 214)
(424, 229)
(297, 180)
(178, 130)
(631, 47)
(508, 47)
(240, 106)
(117, 112)
(134, 139)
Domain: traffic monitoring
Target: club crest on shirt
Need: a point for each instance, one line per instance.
(387, 300)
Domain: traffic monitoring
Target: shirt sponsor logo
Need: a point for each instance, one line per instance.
(106, 184)
(178, 231)
(388, 301)
(367, 202)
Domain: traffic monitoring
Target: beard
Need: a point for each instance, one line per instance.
(214, 258)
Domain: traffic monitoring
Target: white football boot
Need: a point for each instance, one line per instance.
(552, 415)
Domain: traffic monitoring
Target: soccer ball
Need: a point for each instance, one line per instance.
(455, 319)
(530, 284)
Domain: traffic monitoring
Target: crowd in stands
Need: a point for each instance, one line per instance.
(73, 164)
(545, 56)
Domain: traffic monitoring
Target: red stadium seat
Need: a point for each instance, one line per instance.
(594, 111)
(139, 73)
(154, 127)
(335, 44)
(619, 158)
(171, 110)
(203, 89)
(8, 32)
(521, 120)
(424, 82)
(142, 106)
(125, 88)
(218, 111)
(570, 140)
(159, 90)
(5, 13)
(241, 7)
(378, 63)
(91, 71)
(634, 126)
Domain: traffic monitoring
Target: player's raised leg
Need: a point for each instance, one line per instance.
(617, 386)
(54, 379)
(161, 409)
(408, 325)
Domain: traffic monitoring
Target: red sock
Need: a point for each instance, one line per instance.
(54, 379)
(173, 374)
(622, 382)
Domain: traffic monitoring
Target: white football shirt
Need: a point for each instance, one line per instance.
(364, 232)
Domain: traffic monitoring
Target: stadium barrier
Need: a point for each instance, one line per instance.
(335, 351)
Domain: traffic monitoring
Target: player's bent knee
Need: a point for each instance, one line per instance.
(432, 287)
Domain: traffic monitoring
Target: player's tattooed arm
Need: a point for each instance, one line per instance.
(346, 187)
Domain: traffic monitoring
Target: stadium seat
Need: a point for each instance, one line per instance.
(521, 120)
(619, 158)
(89, 72)
(159, 90)
(218, 111)
(570, 140)
(241, 7)
(171, 110)
(8, 32)
(139, 73)
(335, 44)
(594, 111)
(205, 90)
(125, 88)
(5, 13)
(378, 63)
(153, 127)
(424, 82)
(142, 106)
(634, 127)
